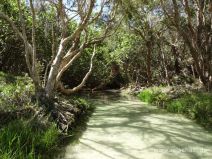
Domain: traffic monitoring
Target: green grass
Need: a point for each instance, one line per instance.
(20, 139)
(194, 105)
(27, 138)
(83, 104)
(146, 96)
(149, 95)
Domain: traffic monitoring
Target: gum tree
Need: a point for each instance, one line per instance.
(68, 47)
(192, 20)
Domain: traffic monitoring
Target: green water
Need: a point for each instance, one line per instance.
(122, 127)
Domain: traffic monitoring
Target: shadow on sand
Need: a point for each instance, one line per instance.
(124, 128)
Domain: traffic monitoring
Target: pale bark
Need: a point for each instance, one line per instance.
(52, 58)
(35, 71)
(28, 47)
(67, 65)
(50, 85)
(56, 65)
(77, 88)
(61, 58)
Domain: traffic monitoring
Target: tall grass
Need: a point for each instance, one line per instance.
(20, 139)
(194, 105)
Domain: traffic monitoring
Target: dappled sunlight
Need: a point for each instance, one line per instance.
(124, 128)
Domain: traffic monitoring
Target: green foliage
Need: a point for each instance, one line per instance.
(161, 99)
(81, 101)
(80, 67)
(150, 95)
(146, 96)
(15, 91)
(175, 106)
(29, 138)
(11, 47)
(194, 105)
(121, 45)
(20, 139)
(83, 104)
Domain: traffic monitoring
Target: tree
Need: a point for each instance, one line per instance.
(143, 19)
(70, 47)
(172, 34)
(193, 22)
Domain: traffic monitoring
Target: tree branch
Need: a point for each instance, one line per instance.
(12, 24)
(77, 88)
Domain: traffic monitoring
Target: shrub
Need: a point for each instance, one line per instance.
(28, 138)
(153, 95)
(175, 106)
(148, 95)
(195, 106)
(15, 92)
(161, 99)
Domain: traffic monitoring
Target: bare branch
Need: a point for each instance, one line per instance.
(83, 23)
(71, 57)
(99, 13)
(107, 33)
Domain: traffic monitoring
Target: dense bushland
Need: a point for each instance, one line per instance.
(66, 46)
(149, 44)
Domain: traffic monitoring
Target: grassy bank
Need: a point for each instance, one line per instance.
(22, 135)
(21, 139)
(193, 104)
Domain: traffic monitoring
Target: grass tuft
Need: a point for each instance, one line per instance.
(19, 139)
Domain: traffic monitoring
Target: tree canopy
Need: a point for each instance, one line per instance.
(154, 42)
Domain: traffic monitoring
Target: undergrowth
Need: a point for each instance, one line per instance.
(27, 138)
(21, 139)
(194, 105)
(15, 91)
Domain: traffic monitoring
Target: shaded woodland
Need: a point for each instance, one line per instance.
(153, 42)
(50, 50)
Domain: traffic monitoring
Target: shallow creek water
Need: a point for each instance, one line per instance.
(122, 127)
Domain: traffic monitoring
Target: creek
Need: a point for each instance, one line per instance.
(122, 127)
